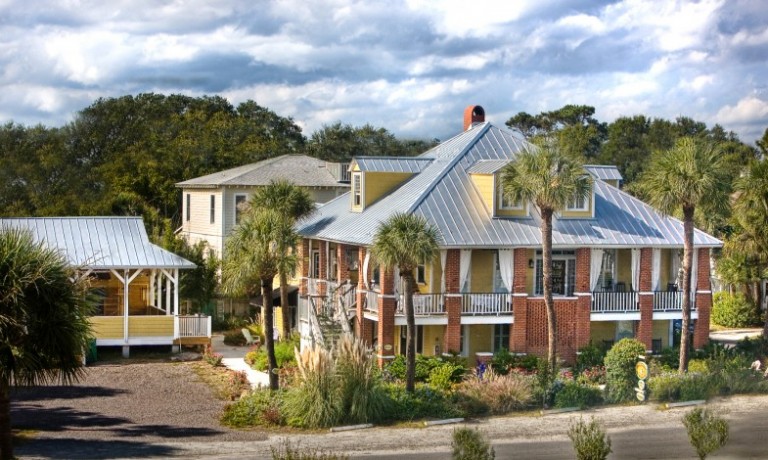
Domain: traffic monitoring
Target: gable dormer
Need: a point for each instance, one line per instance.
(373, 178)
(486, 177)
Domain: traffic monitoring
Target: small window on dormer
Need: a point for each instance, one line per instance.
(421, 272)
(506, 203)
(357, 189)
(578, 203)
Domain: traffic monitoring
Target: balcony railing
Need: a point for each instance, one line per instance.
(192, 326)
(372, 301)
(614, 302)
(486, 304)
(424, 304)
(670, 301)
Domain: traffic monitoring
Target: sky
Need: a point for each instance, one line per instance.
(410, 66)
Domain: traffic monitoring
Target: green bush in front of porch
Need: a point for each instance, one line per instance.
(734, 310)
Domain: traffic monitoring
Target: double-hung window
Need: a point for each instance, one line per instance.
(240, 202)
(578, 203)
(188, 207)
(357, 189)
(213, 209)
(421, 272)
(500, 337)
(505, 203)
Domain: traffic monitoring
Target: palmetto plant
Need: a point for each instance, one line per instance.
(404, 241)
(259, 248)
(545, 176)
(691, 175)
(44, 327)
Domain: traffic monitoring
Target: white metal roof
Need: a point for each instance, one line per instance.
(99, 243)
(391, 164)
(604, 172)
(444, 194)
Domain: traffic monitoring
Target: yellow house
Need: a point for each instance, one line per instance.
(136, 282)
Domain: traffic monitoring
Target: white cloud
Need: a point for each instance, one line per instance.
(747, 110)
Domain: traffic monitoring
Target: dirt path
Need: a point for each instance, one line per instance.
(161, 410)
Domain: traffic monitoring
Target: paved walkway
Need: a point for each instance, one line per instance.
(233, 359)
(732, 336)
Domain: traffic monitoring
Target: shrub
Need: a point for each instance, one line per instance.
(234, 338)
(681, 387)
(545, 383)
(313, 403)
(443, 377)
(288, 452)
(620, 369)
(707, 432)
(699, 366)
(284, 354)
(753, 348)
(470, 444)
(588, 357)
(425, 366)
(733, 310)
(214, 359)
(592, 376)
(261, 407)
(502, 361)
(361, 398)
(497, 394)
(424, 402)
(576, 395)
(589, 440)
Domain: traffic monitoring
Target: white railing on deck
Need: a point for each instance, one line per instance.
(423, 304)
(372, 301)
(192, 326)
(614, 302)
(670, 301)
(486, 304)
(312, 286)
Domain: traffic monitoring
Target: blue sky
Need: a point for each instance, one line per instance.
(410, 66)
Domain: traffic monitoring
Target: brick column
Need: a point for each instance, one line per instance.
(452, 339)
(323, 269)
(386, 323)
(703, 300)
(584, 302)
(303, 253)
(363, 332)
(645, 328)
(341, 262)
(518, 336)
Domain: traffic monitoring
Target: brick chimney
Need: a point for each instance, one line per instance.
(473, 114)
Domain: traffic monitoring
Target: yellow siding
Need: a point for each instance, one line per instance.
(378, 184)
(531, 272)
(107, 327)
(613, 182)
(480, 339)
(433, 335)
(484, 185)
(278, 319)
(602, 330)
(431, 273)
(624, 267)
(482, 271)
(661, 331)
(665, 262)
(150, 326)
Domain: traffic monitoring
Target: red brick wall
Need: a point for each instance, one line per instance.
(303, 269)
(584, 302)
(518, 338)
(645, 327)
(323, 247)
(360, 296)
(567, 321)
(452, 339)
(386, 324)
(703, 300)
(341, 261)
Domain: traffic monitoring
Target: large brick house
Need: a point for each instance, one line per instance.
(615, 259)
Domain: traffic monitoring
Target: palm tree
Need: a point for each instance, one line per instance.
(545, 176)
(751, 214)
(688, 176)
(294, 203)
(44, 327)
(257, 250)
(404, 241)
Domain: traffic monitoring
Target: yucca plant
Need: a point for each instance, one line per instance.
(361, 397)
(314, 403)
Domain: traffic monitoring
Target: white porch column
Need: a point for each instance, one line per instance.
(176, 291)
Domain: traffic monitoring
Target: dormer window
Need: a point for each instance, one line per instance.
(505, 203)
(578, 203)
(357, 189)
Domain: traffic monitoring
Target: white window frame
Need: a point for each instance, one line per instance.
(501, 199)
(357, 189)
(315, 264)
(569, 256)
(573, 203)
(421, 272)
(238, 212)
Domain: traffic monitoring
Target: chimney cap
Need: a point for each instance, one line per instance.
(473, 114)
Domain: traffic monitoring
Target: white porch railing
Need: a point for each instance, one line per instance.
(486, 304)
(424, 304)
(312, 286)
(191, 326)
(670, 301)
(614, 302)
(372, 301)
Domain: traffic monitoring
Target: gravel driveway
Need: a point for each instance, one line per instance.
(122, 410)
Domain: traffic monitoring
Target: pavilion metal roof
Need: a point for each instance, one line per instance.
(99, 243)
(445, 195)
(604, 172)
(391, 164)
